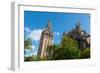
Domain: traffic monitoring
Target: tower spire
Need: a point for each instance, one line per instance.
(49, 24)
(78, 25)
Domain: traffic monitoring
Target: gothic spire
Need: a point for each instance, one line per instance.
(49, 24)
(78, 25)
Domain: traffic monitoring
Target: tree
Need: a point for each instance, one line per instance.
(51, 50)
(32, 58)
(27, 43)
(68, 42)
(66, 53)
(68, 49)
(28, 59)
(85, 53)
(27, 46)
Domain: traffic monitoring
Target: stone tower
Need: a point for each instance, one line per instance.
(45, 40)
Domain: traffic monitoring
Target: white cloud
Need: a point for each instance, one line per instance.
(35, 53)
(53, 41)
(56, 33)
(35, 34)
(27, 50)
(31, 52)
(33, 46)
(27, 29)
(34, 50)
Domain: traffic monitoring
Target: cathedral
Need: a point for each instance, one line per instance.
(45, 40)
(79, 35)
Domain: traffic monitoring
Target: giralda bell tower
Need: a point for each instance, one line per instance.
(45, 40)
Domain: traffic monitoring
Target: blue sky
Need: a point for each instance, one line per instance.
(35, 22)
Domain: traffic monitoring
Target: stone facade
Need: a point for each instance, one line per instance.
(45, 40)
(79, 35)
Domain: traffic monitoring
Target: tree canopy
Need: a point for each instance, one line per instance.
(68, 48)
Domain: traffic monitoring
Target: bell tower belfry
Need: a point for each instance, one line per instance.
(45, 40)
